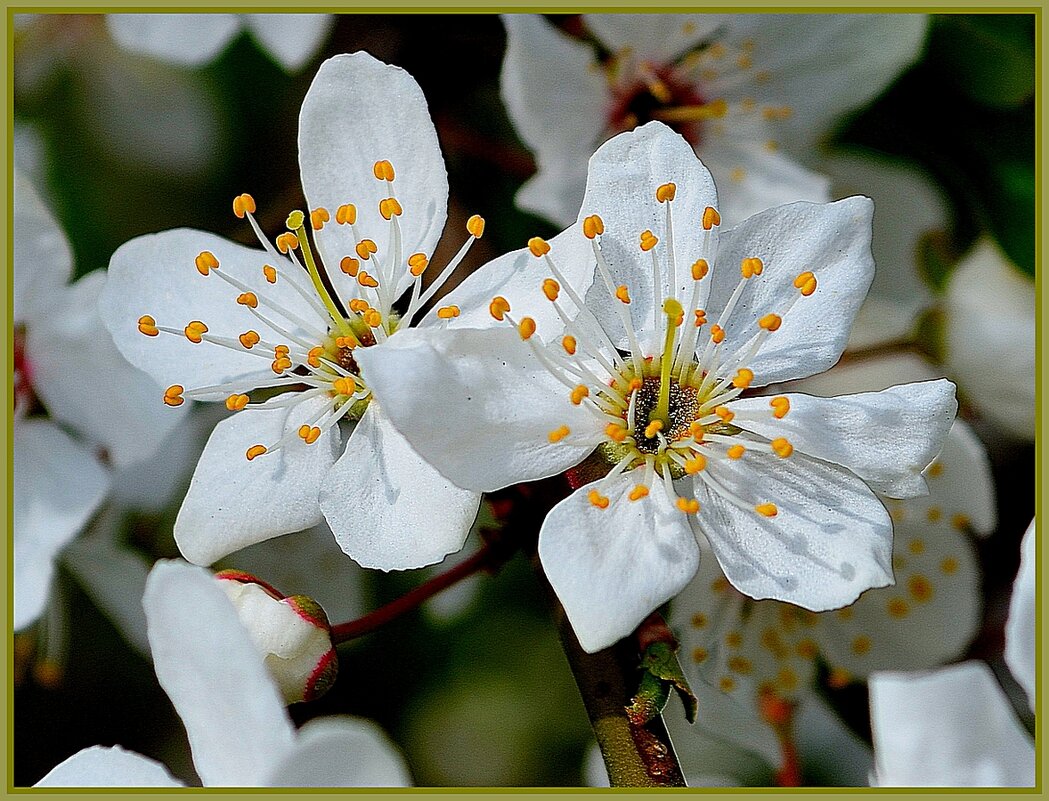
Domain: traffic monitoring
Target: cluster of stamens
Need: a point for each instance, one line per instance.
(315, 358)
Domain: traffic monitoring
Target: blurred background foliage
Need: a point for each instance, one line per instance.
(122, 145)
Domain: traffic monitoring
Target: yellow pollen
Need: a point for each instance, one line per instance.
(635, 383)
(615, 432)
(350, 266)
(710, 218)
(780, 406)
(343, 385)
(806, 649)
(916, 547)
(699, 620)
(498, 307)
(417, 264)
(383, 170)
(688, 505)
(372, 318)
(666, 192)
(949, 565)
(695, 464)
(206, 262)
(743, 378)
(960, 521)
(287, 241)
(770, 322)
(579, 393)
(475, 226)
(838, 679)
(726, 414)
(346, 214)
(248, 299)
(845, 614)
(920, 588)
(173, 395)
(934, 514)
(255, 450)
(717, 334)
(243, 204)
(751, 267)
(861, 645)
(194, 331)
(551, 289)
(696, 430)
(539, 246)
(236, 402)
(782, 447)
(148, 326)
(735, 452)
(766, 509)
(805, 283)
(313, 357)
(733, 639)
(593, 226)
(365, 248)
(281, 364)
(740, 664)
(638, 492)
(648, 241)
(935, 469)
(309, 435)
(448, 312)
(364, 279)
(699, 269)
(270, 273)
(357, 305)
(568, 342)
(526, 327)
(318, 217)
(701, 317)
(559, 434)
(597, 499)
(897, 608)
(281, 350)
(622, 293)
(249, 339)
(699, 655)
(653, 428)
(727, 684)
(390, 208)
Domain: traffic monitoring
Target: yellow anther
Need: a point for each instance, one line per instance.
(526, 327)
(638, 492)
(733, 639)
(696, 464)
(280, 364)
(622, 293)
(475, 226)
(350, 266)
(357, 305)
(417, 264)
(318, 217)
(390, 208)
(666, 192)
(173, 395)
(701, 317)
(919, 587)
(249, 339)
(699, 620)
(935, 469)
(770, 322)
(699, 269)
(744, 62)
(539, 246)
(243, 204)
(344, 385)
(635, 384)
(365, 248)
(710, 218)
(309, 434)
(861, 645)
(313, 356)
(346, 214)
(270, 273)
(782, 447)
(551, 289)
(580, 392)
(648, 241)
(148, 326)
(281, 350)
(717, 334)
(897, 608)
(916, 546)
(287, 241)
(249, 299)
(839, 678)
(724, 413)
(448, 312)
(195, 331)
(751, 267)
(806, 283)
(674, 311)
(735, 452)
(696, 430)
(777, 113)
(372, 318)
(949, 565)
(383, 170)
(934, 514)
(568, 342)
(364, 279)
(726, 684)
(559, 434)
(743, 378)
(688, 505)
(236, 402)
(961, 522)
(615, 432)
(653, 428)
(593, 226)
(255, 450)
(780, 406)
(597, 499)
(766, 509)
(498, 307)
(206, 262)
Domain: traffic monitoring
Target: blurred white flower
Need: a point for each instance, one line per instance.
(769, 482)
(195, 39)
(740, 87)
(238, 729)
(387, 507)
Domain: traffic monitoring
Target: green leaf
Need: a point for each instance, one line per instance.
(989, 57)
(1011, 209)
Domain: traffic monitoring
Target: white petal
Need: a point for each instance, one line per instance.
(830, 540)
(864, 375)
(612, 567)
(341, 751)
(290, 38)
(558, 101)
(389, 508)
(887, 438)
(960, 480)
(186, 39)
(1020, 626)
(949, 728)
(84, 381)
(155, 275)
(359, 111)
(477, 405)
(990, 310)
(57, 487)
(654, 37)
(828, 745)
(101, 766)
(43, 260)
(215, 677)
(233, 503)
(621, 187)
(833, 241)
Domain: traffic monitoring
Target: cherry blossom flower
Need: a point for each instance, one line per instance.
(239, 731)
(195, 39)
(744, 90)
(653, 342)
(220, 321)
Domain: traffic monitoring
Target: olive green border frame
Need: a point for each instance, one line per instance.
(488, 7)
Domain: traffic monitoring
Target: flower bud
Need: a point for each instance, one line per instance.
(291, 632)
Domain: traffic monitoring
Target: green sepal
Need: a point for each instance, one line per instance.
(651, 699)
(662, 673)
